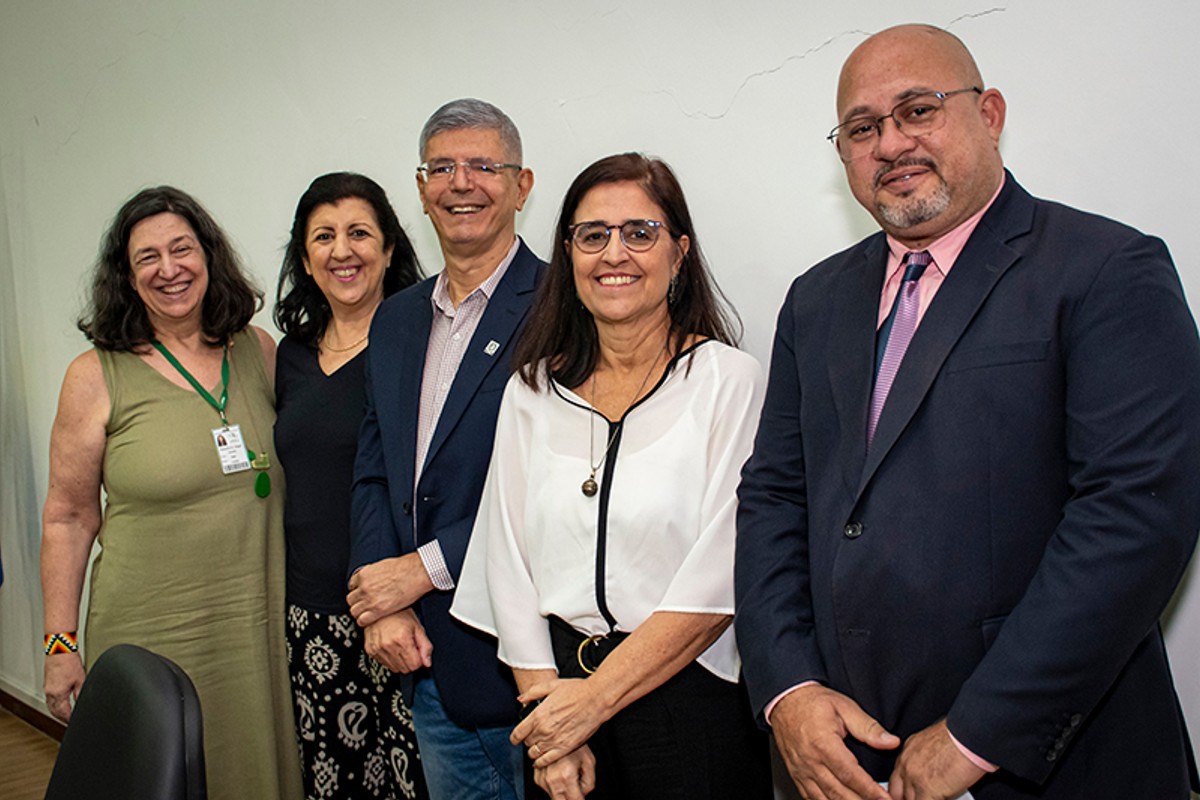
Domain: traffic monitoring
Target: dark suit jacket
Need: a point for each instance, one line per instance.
(474, 686)
(1002, 554)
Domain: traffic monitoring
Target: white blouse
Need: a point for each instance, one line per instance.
(670, 481)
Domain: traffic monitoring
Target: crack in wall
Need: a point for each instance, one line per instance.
(976, 15)
(712, 116)
(83, 104)
(760, 74)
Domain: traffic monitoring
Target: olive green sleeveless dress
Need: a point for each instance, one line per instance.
(192, 563)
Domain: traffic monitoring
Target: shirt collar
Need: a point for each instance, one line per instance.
(441, 287)
(947, 247)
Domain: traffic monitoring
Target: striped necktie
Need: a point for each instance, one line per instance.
(896, 333)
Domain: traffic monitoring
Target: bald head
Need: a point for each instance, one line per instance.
(921, 182)
(906, 50)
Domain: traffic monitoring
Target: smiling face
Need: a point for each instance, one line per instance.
(474, 215)
(921, 188)
(168, 269)
(617, 285)
(345, 255)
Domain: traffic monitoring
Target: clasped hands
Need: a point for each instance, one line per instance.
(810, 725)
(381, 598)
(556, 734)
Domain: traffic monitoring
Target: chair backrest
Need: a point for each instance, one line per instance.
(135, 733)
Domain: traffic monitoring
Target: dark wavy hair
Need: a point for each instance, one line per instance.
(116, 318)
(301, 310)
(562, 330)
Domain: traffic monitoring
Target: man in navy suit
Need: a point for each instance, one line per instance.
(440, 356)
(950, 572)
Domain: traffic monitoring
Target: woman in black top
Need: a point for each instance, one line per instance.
(347, 252)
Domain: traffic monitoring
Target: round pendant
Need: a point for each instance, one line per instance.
(589, 487)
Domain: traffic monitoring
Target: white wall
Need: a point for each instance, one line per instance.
(243, 104)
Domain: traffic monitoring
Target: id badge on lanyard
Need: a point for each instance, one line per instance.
(232, 453)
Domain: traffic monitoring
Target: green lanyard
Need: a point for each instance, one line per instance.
(260, 462)
(208, 398)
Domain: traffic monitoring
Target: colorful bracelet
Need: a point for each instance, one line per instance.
(61, 643)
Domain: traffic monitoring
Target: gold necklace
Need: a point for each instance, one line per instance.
(590, 487)
(333, 349)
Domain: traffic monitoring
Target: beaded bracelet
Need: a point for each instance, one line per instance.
(61, 643)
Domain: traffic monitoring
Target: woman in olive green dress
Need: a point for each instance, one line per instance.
(171, 414)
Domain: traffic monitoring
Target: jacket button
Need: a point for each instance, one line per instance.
(407, 508)
(853, 530)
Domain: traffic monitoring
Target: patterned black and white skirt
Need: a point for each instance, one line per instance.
(356, 735)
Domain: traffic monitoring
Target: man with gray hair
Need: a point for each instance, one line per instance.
(440, 356)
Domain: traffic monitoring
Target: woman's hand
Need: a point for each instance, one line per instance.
(570, 777)
(63, 678)
(572, 709)
(567, 716)
(399, 642)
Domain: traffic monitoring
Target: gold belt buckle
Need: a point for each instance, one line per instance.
(579, 653)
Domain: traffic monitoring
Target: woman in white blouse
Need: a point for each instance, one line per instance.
(602, 556)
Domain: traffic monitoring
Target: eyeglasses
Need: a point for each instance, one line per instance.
(639, 235)
(478, 168)
(917, 116)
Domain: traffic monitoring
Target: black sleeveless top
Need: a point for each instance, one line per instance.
(316, 438)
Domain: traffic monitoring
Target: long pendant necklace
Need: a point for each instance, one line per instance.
(590, 487)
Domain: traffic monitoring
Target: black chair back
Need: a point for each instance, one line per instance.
(135, 733)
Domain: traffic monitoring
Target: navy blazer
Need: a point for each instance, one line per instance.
(1001, 555)
(475, 687)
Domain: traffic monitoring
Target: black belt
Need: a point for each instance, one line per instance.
(577, 654)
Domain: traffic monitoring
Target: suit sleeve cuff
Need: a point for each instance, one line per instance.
(982, 763)
(771, 705)
(435, 565)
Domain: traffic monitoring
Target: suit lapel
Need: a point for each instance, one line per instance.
(984, 260)
(489, 346)
(851, 350)
(400, 366)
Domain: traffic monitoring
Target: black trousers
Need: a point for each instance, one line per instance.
(692, 738)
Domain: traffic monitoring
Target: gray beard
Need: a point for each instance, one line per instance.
(910, 213)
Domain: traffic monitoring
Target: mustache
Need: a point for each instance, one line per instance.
(910, 161)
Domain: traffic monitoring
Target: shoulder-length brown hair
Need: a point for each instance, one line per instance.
(116, 318)
(563, 332)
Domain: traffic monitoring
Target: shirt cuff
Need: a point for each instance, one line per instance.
(771, 705)
(435, 565)
(982, 763)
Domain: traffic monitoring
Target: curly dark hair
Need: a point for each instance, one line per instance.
(116, 318)
(301, 310)
(562, 330)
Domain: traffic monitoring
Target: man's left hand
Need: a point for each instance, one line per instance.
(386, 587)
(931, 767)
